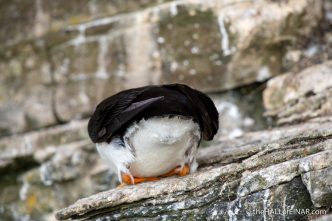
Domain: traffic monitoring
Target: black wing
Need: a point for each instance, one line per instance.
(112, 113)
(204, 107)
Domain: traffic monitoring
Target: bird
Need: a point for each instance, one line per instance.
(152, 132)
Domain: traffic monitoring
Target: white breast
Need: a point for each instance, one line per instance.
(154, 147)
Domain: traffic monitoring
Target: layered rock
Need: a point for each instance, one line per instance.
(300, 96)
(208, 46)
(284, 173)
(82, 56)
(59, 59)
(36, 147)
(26, 89)
(38, 18)
(44, 170)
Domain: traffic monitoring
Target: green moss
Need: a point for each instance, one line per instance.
(261, 181)
(192, 39)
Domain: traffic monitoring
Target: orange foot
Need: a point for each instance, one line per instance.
(181, 171)
(127, 179)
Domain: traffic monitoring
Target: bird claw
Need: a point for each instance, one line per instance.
(185, 170)
(127, 179)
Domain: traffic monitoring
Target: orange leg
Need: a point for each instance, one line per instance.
(178, 171)
(181, 171)
(127, 179)
(185, 170)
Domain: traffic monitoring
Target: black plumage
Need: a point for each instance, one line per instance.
(115, 113)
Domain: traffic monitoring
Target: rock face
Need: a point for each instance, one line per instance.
(304, 95)
(288, 173)
(58, 59)
(44, 170)
(73, 55)
(40, 146)
(38, 18)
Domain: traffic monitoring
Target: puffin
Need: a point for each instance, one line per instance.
(152, 132)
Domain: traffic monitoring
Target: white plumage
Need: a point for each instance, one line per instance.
(153, 147)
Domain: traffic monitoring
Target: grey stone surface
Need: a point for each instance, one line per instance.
(324, 218)
(234, 174)
(26, 89)
(39, 146)
(58, 59)
(77, 53)
(24, 21)
(44, 170)
(239, 113)
(319, 185)
(269, 181)
(300, 96)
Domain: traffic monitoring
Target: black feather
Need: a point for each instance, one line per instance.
(207, 113)
(115, 113)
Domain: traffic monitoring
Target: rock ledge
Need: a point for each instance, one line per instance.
(285, 169)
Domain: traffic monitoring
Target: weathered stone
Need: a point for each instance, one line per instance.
(88, 50)
(83, 76)
(189, 47)
(324, 218)
(300, 96)
(319, 184)
(70, 169)
(26, 91)
(22, 21)
(268, 204)
(260, 144)
(268, 177)
(218, 52)
(255, 186)
(38, 146)
(17, 19)
(217, 55)
(29, 196)
(95, 53)
(236, 109)
(68, 162)
(61, 165)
